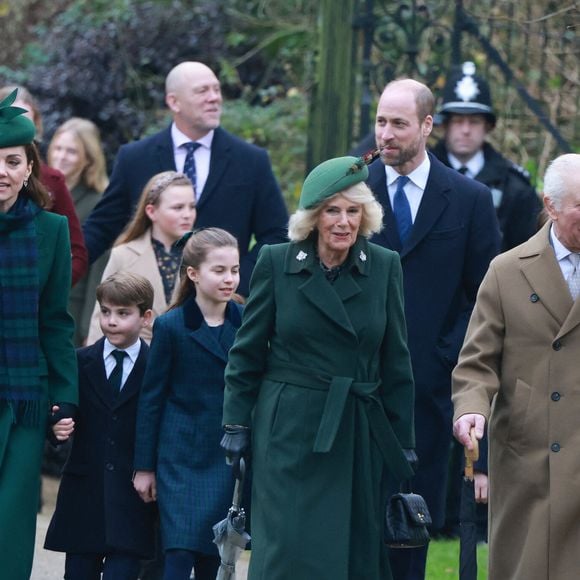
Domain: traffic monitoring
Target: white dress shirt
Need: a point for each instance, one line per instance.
(128, 362)
(414, 188)
(562, 253)
(473, 166)
(202, 155)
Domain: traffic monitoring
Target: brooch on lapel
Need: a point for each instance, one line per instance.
(301, 256)
(362, 256)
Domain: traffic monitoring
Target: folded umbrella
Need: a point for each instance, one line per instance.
(467, 517)
(230, 535)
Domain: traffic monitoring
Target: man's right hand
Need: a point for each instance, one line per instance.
(463, 426)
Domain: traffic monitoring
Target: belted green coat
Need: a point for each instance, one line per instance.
(321, 372)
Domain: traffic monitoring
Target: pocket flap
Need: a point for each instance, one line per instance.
(416, 508)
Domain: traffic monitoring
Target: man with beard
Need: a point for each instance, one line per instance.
(234, 184)
(444, 227)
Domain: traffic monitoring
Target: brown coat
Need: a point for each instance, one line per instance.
(138, 257)
(523, 349)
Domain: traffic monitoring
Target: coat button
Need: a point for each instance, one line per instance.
(557, 345)
(534, 297)
(555, 396)
(111, 467)
(555, 447)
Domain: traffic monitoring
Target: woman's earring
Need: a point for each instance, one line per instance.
(25, 182)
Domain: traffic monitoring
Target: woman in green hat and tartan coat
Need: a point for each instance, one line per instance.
(320, 376)
(37, 359)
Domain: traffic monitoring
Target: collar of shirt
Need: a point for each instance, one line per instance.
(202, 155)
(474, 165)
(562, 253)
(128, 362)
(132, 351)
(414, 188)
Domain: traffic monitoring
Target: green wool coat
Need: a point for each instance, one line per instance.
(21, 447)
(321, 372)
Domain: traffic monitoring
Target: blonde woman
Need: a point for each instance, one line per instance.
(76, 151)
(166, 210)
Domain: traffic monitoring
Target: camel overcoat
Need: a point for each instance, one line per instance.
(137, 257)
(322, 374)
(520, 367)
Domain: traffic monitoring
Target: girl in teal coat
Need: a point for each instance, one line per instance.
(37, 359)
(320, 373)
(178, 462)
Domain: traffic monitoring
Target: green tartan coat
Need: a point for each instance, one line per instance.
(321, 372)
(21, 447)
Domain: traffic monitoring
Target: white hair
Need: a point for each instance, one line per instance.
(303, 221)
(555, 178)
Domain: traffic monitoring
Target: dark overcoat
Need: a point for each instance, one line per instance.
(241, 195)
(21, 447)
(515, 200)
(322, 375)
(454, 237)
(97, 508)
(179, 425)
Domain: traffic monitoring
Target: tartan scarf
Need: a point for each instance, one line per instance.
(20, 385)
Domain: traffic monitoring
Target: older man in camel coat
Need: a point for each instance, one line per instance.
(519, 371)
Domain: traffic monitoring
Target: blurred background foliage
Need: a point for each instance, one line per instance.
(107, 60)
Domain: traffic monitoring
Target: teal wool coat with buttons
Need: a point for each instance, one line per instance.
(321, 373)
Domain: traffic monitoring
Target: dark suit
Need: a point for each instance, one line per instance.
(453, 239)
(241, 194)
(97, 508)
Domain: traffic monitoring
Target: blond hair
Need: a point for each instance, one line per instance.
(87, 135)
(303, 221)
(151, 195)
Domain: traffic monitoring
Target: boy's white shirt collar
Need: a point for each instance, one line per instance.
(132, 351)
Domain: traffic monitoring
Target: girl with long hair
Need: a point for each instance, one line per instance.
(148, 246)
(178, 460)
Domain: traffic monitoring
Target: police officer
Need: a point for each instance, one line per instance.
(467, 117)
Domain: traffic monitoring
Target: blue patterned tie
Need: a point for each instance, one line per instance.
(189, 167)
(402, 209)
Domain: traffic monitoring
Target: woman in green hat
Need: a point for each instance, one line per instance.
(37, 360)
(320, 376)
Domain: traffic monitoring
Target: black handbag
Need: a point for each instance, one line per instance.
(406, 521)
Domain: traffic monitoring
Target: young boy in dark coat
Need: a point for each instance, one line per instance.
(100, 521)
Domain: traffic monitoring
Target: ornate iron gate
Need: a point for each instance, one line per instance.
(528, 50)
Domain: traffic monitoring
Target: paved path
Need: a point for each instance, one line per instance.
(50, 565)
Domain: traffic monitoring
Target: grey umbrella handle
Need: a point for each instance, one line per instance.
(239, 487)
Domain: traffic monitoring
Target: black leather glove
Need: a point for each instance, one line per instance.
(236, 444)
(412, 458)
(65, 411)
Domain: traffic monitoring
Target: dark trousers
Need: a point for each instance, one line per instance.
(179, 563)
(90, 566)
(408, 563)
